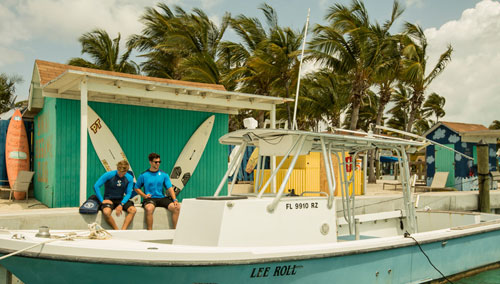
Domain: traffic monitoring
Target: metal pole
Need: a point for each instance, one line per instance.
(328, 173)
(294, 127)
(273, 158)
(233, 164)
(272, 206)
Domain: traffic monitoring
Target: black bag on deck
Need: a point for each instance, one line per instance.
(91, 206)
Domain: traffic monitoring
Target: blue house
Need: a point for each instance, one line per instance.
(462, 171)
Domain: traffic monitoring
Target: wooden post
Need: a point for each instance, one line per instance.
(83, 139)
(377, 168)
(483, 170)
(396, 170)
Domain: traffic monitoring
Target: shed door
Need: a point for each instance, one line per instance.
(445, 162)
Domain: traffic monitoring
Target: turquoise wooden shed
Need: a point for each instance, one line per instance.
(145, 114)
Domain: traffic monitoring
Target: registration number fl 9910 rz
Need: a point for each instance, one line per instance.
(301, 205)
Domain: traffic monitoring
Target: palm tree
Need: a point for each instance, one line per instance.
(346, 46)
(367, 111)
(388, 63)
(104, 52)
(7, 91)
(400, 111)
(265, 62)
(495, 125)
(434, 104)
(180, 45)
(414, 63)
(324, 96)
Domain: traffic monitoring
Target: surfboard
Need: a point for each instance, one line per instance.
(232, 156)
(105, 144)
(252, 161)
(17, 154)
(191, 154)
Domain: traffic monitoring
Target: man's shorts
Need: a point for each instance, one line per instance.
(117, 202)
(158, 202)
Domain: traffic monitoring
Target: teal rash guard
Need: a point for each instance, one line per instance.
(153, 183)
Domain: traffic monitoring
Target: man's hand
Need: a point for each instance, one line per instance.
(119, 210)
(147, 196)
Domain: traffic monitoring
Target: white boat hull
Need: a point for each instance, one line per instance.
(395, 259)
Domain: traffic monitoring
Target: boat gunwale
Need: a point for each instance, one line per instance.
(455, 234)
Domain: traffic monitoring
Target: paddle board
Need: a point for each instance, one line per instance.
(105, 144)
(17, 155)
(191, 154)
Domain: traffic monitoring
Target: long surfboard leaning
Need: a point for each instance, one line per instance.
(105, 144)
(17, 155)
(191, 154)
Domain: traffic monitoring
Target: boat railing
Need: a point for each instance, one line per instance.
(271, 143)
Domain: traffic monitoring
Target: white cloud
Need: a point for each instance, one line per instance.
(470, 82)
(63, 21)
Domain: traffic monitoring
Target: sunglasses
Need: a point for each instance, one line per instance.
(156, 162)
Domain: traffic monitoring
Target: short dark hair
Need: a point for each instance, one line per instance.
(153, 156)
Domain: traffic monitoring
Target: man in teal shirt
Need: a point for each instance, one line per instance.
(154, 180)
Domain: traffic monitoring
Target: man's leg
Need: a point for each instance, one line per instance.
(106, 211)
(175, 212)
(131, 213)
(149, 209)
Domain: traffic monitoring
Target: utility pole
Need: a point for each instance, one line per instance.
(483, 178)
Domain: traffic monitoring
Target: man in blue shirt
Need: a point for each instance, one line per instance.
(153, 180)
(117, 190)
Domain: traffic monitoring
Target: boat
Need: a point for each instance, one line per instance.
(271, 238)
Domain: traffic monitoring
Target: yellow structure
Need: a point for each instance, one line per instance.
(309, 175)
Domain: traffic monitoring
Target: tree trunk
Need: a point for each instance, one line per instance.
(356, 105)
(385, 96)
(415, 106)
(372, 178)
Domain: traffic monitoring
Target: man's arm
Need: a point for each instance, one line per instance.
(138, 185)
(99, 183)
(170, 188)
(128, 193)
(172, 193)
(139, 191)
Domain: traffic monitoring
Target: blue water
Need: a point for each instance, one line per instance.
(487, 277)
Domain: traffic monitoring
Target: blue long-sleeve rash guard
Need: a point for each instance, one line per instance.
(114, 186)
(153, 183)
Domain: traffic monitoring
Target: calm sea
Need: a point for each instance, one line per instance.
(487, 277)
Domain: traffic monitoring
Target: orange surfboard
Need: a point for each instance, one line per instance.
(17, 155)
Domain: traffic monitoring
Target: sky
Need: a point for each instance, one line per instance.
(49, 30)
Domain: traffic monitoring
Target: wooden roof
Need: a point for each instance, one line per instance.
(57, 80)
(464, 127)
(49, 71)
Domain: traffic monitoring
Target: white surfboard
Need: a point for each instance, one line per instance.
(191, 154)
(105, 144)
(232, 156)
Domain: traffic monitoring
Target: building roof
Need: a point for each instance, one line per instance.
(49, 71)
(65, 81)
(464, 127)
(468, 132)
(457, 127)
